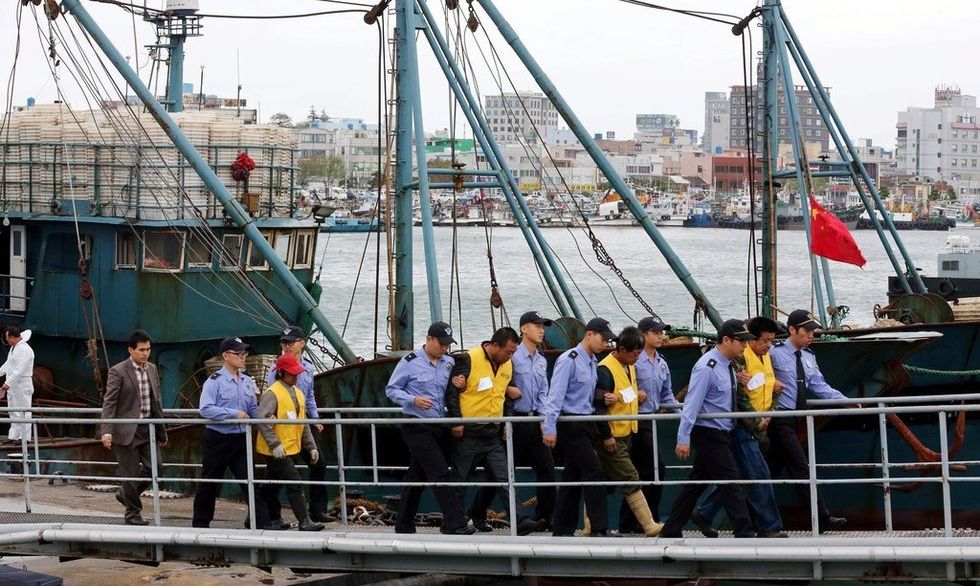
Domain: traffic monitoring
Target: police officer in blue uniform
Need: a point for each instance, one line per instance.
(712, 390)
(795, 365)
(572, 391)
(418, 385)
(653, 381)
(293, 341)
(228, 395)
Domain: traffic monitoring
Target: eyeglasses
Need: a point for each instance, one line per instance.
(287, 342)
(239, 353)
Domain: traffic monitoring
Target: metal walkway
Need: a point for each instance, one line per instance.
(871, 556)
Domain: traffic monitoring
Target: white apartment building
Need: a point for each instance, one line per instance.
(940, 143)
(717, 117)
(514, 116)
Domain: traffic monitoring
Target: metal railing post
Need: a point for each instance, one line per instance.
(26, 472)
(37, 450)
(885, 472)
(656, 452)
(811, 449)
(342, 493)
(155, 484)
(250, 476)
(944, 454)
(374, 454)
(511, 491)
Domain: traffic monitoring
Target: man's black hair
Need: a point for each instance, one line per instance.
(504, 335)
(629, 339)
(759, 325)
(138, 337)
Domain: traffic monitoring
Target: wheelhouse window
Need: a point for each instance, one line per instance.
(282, 243)
(199, 252)
(163, 251)
(255, 259)
(125, 250)
(62, 252)
(303, 250)
(951, 265)
(231, 251)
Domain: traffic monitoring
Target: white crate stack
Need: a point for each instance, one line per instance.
(135, 152)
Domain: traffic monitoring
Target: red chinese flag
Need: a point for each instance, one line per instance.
(830, 238)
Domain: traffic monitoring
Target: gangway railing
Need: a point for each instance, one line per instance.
(32, 464)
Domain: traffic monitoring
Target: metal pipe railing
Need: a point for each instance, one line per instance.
(356, 416)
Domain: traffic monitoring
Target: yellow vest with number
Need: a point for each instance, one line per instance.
(488, 402)
(760, 397)
(621, 381)
(290, 436)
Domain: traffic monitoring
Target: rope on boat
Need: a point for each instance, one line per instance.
(938, 372)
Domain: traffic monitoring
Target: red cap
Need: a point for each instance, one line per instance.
(289, 363)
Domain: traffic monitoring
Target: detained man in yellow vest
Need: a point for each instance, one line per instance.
(479, 381)
(757, 389)
(616, 393)
(281, 444)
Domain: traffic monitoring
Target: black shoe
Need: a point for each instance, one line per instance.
(832, 523)
(464, 530)
(545, 523)
(703, 525)
(529, 525)
(321, 517)
(677, 535)
(771, 534)
(308, 525)
(405, 530)
(603, 533)
(630, 529)
(279, 525)
(481, 525)
(137, 521)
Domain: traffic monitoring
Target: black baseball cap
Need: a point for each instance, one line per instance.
(533, 317)
(442, 332)
(801, 318)
(736, 329)
(233, 345)
(292, 333)
(652, 324)
(601, 327)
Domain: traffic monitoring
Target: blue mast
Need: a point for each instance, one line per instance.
(176, 26)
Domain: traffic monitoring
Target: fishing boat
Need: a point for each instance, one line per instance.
(205, 250)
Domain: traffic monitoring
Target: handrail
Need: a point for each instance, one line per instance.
(366, 416)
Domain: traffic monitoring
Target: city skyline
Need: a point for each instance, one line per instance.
(650, 61)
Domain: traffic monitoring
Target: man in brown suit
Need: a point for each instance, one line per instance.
(133, 392)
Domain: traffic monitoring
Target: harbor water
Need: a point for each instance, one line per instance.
(717, 259)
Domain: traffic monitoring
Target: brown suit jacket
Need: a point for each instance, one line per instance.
(122, 401)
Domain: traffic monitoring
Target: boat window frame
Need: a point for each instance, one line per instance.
(222, 256)
(290, 235)
(191, 265)
(267, 234)
(310, 235)
(136, 251)
(179, 265)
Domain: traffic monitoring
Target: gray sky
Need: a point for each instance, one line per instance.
(609, 59)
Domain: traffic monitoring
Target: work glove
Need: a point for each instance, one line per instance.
(279, 452)
(314, 456)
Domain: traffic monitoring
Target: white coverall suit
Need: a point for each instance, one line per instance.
(19, 369)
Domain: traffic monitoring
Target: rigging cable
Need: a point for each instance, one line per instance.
(598, 247)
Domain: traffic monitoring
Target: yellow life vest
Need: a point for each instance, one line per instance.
(622, 381)
(290, 436)
(760, 397)
(485, 391)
